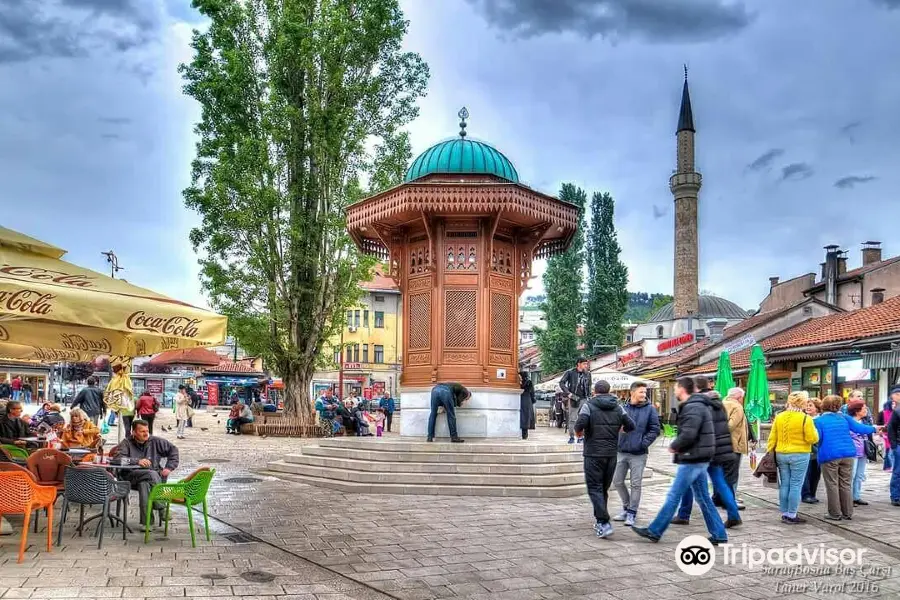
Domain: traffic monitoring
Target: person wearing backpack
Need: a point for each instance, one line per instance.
(147, 407)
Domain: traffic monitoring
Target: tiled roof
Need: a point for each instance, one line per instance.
(878, 320)
(200, 357)
(760, 318)
(230, 366)
(380, 282)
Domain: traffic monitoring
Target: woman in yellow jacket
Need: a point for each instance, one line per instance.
(793, 434)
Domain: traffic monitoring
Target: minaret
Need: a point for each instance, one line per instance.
(685, 185)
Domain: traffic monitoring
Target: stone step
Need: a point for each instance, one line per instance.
(559, 491)
(384, 466)
(377, 452)
(402, 479)
(469, 447)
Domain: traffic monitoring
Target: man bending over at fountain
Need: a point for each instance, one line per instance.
(448, 396)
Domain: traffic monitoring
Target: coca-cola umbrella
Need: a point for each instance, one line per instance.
(54, 310)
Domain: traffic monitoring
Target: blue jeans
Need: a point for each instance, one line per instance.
(895, 476)
(791, 474)
(689, 477)
(441, 395)
(859, 475)
(720, 487)
(888, 459)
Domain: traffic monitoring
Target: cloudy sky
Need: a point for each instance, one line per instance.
(795, 105)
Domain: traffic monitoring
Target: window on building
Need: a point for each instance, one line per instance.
(379, 298)
(356, 318)
(356, 353)
(365, 357)
(659, 332)
(337, 357)
(379, 354)
(365, 318)
(349, 318)
(379, 319)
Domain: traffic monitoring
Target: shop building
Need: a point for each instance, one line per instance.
(371, 341)
(36, 375)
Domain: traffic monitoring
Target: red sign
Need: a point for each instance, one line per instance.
(675, 342)
(154, 386)
(378, 387)
(627, 358)
(212, 393)
(352, 365)
(367, 393)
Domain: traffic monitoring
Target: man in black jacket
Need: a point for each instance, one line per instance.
(576, 386)
(694, 448)
(600, 420)
(90, 400)
(893, 433)
(12, 427)
(722, 461)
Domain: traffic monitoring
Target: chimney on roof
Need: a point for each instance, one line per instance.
(877, 296)
(842, 263)
(716, 328)
(823, 270)
(773, 281)
(830, 273)
(871, 253)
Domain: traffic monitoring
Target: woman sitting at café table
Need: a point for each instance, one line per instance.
(80, 432)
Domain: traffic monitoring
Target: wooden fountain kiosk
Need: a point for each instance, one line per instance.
(459, 237)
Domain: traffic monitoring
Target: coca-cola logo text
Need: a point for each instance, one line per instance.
(54, 355)
(4, 334)
(38, 274)
(26, 302)
(78, 342)
(171, 326)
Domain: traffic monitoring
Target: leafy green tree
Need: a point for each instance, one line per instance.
(291, 93)
(660, 300)
(607, 293)
(563, 305)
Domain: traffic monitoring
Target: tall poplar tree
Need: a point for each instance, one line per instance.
(607, 293)
(291, 93)
(562, 285)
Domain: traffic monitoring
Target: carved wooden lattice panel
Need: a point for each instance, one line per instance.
(501, 317)
(460, 257)
(502, 259)
(418, 259)
(420, 321)
(460, 327)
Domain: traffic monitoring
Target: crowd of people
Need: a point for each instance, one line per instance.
(811, 440)
(354, 415)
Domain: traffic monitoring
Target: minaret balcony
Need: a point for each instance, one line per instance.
(685, 180)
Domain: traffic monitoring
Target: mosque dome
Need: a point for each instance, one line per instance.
(711, 307)
(462, 156)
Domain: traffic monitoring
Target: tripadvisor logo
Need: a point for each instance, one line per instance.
(695, 555)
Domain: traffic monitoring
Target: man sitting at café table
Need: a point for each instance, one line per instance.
(13, 427)
(146, 451)
(81, 432)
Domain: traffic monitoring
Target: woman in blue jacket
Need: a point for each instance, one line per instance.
(837, 454)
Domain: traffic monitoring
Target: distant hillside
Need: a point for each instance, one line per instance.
(641, 305)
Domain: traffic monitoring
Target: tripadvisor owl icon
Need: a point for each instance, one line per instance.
(695, 555)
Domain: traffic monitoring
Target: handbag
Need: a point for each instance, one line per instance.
(871, 450)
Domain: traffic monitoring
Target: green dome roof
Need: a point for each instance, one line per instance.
(461, 155)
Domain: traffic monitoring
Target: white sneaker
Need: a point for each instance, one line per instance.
(629, 520)
(605, 531)
(622, 516)
(598, 529)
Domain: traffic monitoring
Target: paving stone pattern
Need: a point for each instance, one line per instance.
(322, 543)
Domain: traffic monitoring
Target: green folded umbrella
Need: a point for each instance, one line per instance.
(756, 403)
(724, 379)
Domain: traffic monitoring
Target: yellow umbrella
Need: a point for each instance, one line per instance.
(48, 303)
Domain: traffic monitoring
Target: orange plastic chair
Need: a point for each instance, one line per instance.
(19, 494)
(49, 466)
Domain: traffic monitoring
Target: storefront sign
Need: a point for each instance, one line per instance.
(352, 365)
(212, 391)
(378, 387)
(675, 342)
(796, 384)
(367, 393)
(154, 386)
(627, 358)
(745, 341)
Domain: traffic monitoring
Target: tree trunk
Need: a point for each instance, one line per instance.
(297, 400)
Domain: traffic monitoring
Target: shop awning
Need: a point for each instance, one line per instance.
(54, 310)
(888, 359)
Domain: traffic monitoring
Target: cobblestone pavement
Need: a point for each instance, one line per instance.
(326, 544)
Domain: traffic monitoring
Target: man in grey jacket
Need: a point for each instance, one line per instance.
(147, 452)
(576, 386)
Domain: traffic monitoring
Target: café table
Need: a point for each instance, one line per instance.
(112, 518)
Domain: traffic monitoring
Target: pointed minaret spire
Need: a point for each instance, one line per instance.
(686, 116)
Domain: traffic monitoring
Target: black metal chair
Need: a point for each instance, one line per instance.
(90, 485)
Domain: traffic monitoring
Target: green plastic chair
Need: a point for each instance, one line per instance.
(190, 491)
(15, 451)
